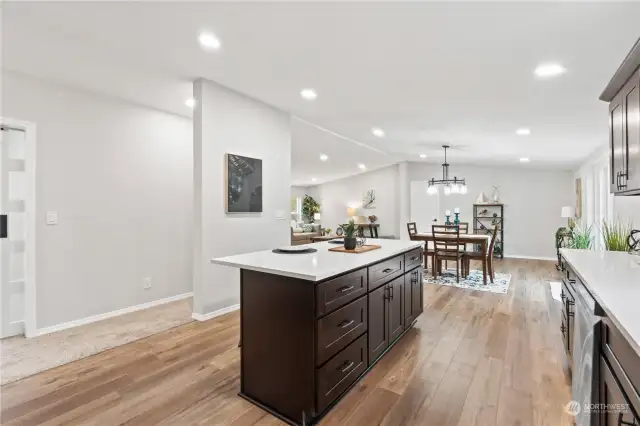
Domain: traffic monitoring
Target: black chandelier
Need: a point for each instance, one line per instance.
(451, 186)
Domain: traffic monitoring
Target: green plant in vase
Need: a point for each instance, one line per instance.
(616, 235)
(581, 237)
(350, 233)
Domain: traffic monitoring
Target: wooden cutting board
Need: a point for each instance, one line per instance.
(365, 248)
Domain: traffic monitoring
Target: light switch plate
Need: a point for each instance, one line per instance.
(52, 218)
(280, 214)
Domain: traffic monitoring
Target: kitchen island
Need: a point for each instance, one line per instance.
(606, 357)
(313, 324)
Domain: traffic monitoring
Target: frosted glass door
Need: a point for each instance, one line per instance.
(12, 241)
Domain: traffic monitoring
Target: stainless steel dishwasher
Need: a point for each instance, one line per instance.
(586, 347)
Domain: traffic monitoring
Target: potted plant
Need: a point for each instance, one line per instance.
(373, 218)
(310, 207)
(328, 231)
(581, 237)
(350, 230)
(616, 235)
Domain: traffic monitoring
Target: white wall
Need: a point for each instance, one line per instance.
(228, 122)
(337, 195)
(120, 178)
(533, 200)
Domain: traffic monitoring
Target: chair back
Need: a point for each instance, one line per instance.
(446, 238)
(464, 227)
(492, 244)
(412, 229)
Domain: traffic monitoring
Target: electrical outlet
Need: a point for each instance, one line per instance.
(146, 283)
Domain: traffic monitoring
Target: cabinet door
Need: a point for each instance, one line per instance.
(417, 296)
(408, 299)
(616, 140)
(396, 308)
(631, 109)
(378, 329)
(620, 413)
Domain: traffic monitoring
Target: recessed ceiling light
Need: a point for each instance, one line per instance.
(313, 179)
(362, 166)
(523, 131)
(549, 70)
(524, 160)
(324, 157)
(308, 94)
(190, 102)
(423, 155)
(209, 41)
(378, 132)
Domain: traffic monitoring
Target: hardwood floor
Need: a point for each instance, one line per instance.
(473, 358)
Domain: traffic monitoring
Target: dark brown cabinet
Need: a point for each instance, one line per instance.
(623, 95)
(413, 296)
(396, 308)
(386, 316)
(616, 408)
(378, 329)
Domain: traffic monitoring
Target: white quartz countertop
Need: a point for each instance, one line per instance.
(613, 278)
(319, 265)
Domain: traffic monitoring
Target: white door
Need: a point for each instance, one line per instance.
(13, 265)
(424, 207)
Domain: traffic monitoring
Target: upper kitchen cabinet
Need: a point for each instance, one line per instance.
(623, 95)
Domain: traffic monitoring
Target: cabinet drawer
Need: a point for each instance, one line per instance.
(413, 258)
(332, 294)
(617, 347)
(338, 329)
(337, 375)
(385, 271)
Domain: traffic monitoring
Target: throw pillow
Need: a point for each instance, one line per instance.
(307, 227)
(298, 230)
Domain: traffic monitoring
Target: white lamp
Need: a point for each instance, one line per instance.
(569, 213)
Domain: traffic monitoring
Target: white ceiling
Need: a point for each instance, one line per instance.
(426, 73)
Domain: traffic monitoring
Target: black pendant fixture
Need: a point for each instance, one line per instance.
(451, 186)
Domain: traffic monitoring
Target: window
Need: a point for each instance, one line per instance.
(296, 209)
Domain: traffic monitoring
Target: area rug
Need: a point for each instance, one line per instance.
(20, 357)
(472, 282)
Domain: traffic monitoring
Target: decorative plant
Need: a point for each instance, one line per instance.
(328, 231)
(373, 218)
(309, 207)
(615, 235)
(350, 229)
(581, 237)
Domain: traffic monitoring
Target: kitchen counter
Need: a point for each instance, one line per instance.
(319, 265)
(613, 279)
(312, 325)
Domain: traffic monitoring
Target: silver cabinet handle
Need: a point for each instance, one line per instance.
(346, 324)
(346, 367)
(345, 289)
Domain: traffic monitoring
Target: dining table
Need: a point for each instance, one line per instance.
(482, 239)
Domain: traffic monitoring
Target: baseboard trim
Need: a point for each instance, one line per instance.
(521, 256)
(210, 315)
(107, 315)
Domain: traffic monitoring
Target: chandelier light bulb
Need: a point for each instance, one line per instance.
(455, 188)
(447, 190)
(463, 189)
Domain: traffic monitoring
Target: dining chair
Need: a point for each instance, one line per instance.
(485, 257)
(446, 240)
(464, 227)
(412, 229)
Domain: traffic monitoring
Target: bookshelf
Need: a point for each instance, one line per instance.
(485, 218)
